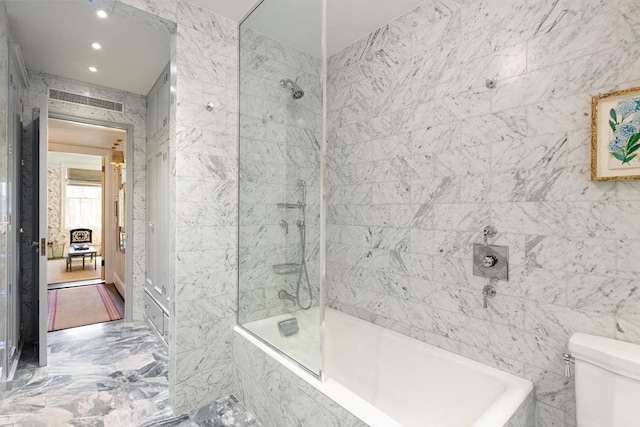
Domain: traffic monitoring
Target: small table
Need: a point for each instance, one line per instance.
(90, 251)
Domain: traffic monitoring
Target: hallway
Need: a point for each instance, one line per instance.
(109, 374)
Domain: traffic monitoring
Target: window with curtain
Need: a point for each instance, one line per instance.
(83, 194)
(84, 205)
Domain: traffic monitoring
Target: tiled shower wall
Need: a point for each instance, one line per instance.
(422, 156)
(279, 145)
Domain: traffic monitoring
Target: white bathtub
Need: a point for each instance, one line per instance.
(387, 379)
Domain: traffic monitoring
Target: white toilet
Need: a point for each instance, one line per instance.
(607, 381)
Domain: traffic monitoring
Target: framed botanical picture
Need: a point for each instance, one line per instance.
(615, 136)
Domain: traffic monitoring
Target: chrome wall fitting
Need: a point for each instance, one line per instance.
(284, 295)
(491, 83)
(490, 261)
(488, 292)
(568, 361)
(489, 231)
(209, 106)
(284, 224)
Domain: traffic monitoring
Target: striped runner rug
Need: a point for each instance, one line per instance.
(83, 305)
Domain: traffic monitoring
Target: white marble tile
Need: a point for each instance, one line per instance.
(545, 218)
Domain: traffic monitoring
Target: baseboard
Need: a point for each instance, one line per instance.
(120, 285)
(13, 366)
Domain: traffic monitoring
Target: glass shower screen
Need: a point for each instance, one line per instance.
(280, 149)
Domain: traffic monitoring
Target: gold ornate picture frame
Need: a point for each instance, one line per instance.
(615, 135)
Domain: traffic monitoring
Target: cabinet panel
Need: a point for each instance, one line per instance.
(164, 92)
(157, 238)
(150, 224)
(152, 114)
(158, 106)
(157, 281)
(154, 313)
(160, 226)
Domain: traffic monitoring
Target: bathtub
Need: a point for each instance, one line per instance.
(388, 379)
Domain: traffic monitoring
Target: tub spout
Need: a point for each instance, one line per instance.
(286, 295)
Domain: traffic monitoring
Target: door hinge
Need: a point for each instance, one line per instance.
(21, 162)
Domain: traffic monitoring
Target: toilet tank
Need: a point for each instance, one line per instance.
(607, 381)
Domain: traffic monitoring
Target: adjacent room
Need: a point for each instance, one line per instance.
(85, 188)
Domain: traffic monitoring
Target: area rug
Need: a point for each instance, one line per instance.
(84, 305)
(57, 271)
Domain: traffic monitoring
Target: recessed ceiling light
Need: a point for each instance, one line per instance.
(96, 46)
(93, 69)
(101, 14)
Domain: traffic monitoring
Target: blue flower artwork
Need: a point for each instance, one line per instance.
(624, 121)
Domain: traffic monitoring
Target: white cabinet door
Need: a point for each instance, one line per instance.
(157, 239)
(164, 92)
(152, 114)
(151, 224)
(161, 229)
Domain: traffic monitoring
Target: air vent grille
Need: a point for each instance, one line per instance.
(74, 98)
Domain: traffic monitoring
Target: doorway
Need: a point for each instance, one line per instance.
(74, 201)
(100, 79)
(85, 264)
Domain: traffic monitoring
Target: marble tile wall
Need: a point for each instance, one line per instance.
(277, 396)
(422, 156)
(134, 114)
(204, 185)
(203, 194)
(4, 104)
(279, 145)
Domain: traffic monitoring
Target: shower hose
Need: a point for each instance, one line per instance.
(303, 264)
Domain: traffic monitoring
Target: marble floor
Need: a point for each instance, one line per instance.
(109, 374)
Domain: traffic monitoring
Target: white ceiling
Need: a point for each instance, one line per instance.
(56, 36)
(85, 135)
(297, 22)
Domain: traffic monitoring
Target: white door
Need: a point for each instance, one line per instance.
(42, 219)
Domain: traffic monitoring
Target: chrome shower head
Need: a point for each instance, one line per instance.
(296, 91)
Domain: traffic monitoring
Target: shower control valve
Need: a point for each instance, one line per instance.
(490, 261)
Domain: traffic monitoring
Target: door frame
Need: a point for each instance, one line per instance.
(129, 128)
